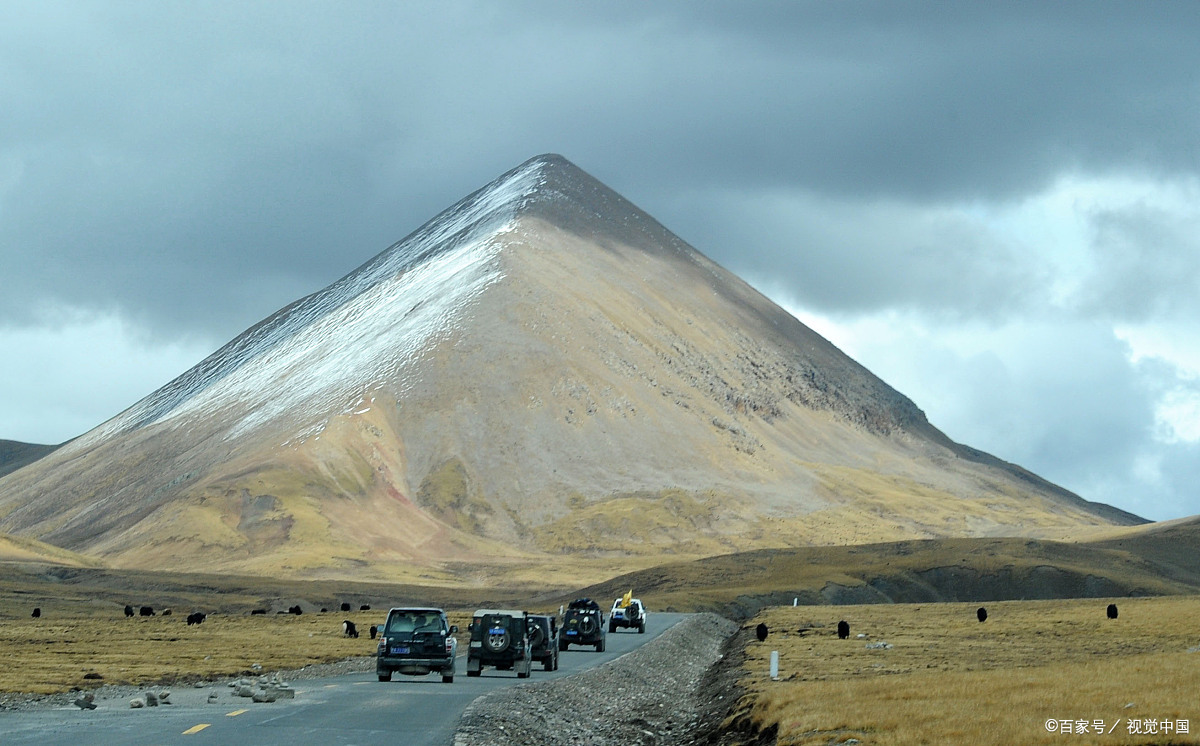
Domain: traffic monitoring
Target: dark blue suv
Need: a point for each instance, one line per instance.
(416, 641)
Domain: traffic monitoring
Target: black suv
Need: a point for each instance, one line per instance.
(543, 640)
(499, 638)
(416, 641)
(583, 624)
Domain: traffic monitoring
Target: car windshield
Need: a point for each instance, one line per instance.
(414, 622)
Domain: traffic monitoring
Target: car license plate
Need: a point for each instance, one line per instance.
(496, 631)
(400, 651)
(571, 632)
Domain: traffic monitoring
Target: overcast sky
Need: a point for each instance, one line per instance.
(993, 206)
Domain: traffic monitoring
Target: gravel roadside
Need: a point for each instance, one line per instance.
(653, 695)
(182, 689)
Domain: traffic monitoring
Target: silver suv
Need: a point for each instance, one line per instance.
(633, 615)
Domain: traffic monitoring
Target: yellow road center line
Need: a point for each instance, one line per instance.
(196, 729)
(235, 713)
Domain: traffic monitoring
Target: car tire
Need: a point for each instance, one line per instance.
(473, 673)
(385, 676)
(562, 644)
(642, 628)
(600, 647)
(447, 678)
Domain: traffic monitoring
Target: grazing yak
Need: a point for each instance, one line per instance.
(761, 632)
(981, 614)
(843, 629)
(373, 630)
(348, 629)
(1112, 611)
(128, 610)
(345, 606)
(196, 617)
(146, 611)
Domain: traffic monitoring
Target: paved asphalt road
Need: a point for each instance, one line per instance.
(353, 709)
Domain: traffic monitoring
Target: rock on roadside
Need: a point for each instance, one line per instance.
(648, 696)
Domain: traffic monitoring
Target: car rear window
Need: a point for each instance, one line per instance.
(408, 621)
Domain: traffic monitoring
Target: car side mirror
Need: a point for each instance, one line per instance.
(471, 627)
(453, 628)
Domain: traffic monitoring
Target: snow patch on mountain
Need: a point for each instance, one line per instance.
(320, 355)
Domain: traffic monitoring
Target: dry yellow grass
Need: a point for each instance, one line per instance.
(948, 679)
(44, 656)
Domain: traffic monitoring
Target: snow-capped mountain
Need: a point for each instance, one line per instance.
(541, 368)
(323, 352)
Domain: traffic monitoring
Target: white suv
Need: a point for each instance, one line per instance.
(633, 615)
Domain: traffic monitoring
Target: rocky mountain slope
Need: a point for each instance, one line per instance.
(542, 368)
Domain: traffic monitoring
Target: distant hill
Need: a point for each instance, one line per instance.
(22, 550)
(14, 454)
(1144, 563)
(541, 371)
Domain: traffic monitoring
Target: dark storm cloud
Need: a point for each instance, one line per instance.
(175, 159)
(922, 99)
(850, 256)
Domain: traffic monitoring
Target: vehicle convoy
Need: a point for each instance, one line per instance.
(627, 611)
(499, 638)
(583, 624)
(416, 641)
(543, 640)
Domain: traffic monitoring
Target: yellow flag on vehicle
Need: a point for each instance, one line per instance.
(627, 598)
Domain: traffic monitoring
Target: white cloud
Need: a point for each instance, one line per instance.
(72, 370)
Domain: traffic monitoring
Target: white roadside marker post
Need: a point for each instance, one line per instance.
(774, 665)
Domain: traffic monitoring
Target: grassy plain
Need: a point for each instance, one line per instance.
(83, 629)
(54, 654)
(947, 678)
